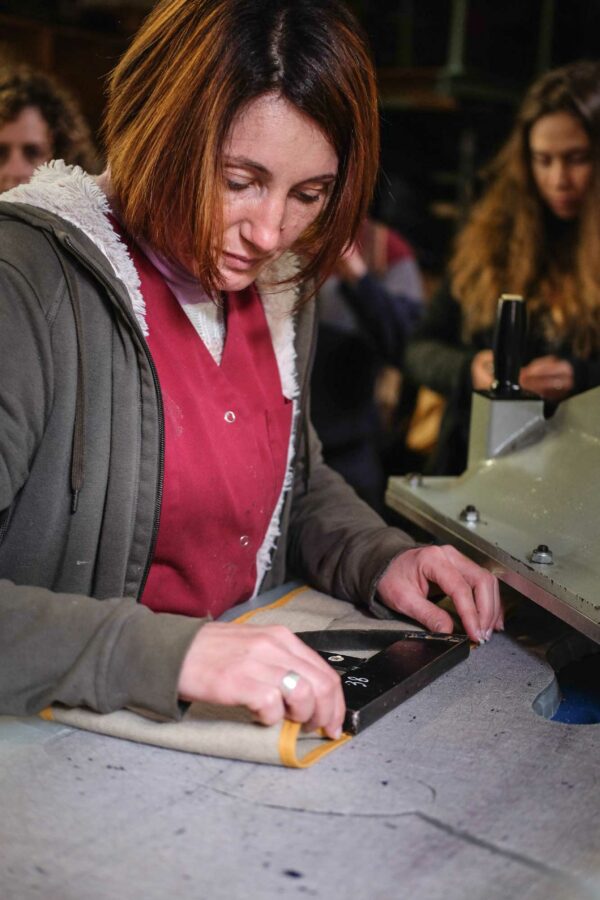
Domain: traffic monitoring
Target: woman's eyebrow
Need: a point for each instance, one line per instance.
(326, 177)
(247, 163)
(579, 148)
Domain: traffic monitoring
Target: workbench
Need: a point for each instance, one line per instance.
(463, 791)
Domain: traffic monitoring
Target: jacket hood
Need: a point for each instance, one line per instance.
(71, 194)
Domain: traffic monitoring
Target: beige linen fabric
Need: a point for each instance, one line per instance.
(230, 732)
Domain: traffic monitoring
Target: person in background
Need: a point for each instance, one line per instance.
(535, 232)
(367, 309)
(158, 465)
(39, 121)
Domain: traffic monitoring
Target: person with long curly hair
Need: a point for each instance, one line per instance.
(534, 232)
(39, 121)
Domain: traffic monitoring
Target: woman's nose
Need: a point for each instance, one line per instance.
(265, 225)
(560, 174)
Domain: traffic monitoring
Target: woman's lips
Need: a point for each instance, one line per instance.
(242, 263)
(565, 202)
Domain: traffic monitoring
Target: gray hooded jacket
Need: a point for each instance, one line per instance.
(81, 436)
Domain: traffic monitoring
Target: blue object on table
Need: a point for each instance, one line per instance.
(579, 684)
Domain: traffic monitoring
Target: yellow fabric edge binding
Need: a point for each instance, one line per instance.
(288, 742)
(276, 603)
(47, 714)
(288, 737)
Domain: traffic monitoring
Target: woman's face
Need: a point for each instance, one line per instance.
(25, 143)
(561, 162)
(279, 169)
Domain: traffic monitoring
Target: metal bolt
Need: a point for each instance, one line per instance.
(335, 658)
(470, 514)
(542, 555)
(414, 479)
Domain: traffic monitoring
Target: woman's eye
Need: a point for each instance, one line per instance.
(308, 198)
(236, 185)
(33, 153)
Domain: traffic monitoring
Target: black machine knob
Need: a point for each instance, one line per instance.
(509, 344)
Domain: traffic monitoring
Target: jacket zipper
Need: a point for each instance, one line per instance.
(132, 322)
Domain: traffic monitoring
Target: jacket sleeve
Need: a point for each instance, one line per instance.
(103, 654)
(65, 647)
(26, 383)
(333, 539)
(586, 373)
(436, 356)
(337, 542)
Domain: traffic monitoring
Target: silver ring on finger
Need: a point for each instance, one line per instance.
(289, 683)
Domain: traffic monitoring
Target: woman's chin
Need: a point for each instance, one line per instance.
(565, 211)
(236, 277)
(235, 282)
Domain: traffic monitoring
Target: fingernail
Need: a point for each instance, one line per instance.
(337, 734)
(481, 637)
(488, 634)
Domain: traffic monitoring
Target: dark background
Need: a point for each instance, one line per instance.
(450, 74)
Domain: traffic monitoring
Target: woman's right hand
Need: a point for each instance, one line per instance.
(244, 665)
(549, 377)
(482, 370)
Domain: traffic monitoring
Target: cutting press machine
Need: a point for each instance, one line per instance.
(528, 506)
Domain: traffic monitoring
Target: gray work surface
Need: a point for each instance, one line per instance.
(461, 792)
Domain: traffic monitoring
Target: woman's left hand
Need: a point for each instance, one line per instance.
(405, 584)
(550, 377)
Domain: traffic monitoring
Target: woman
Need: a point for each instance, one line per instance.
(39, 121)
(158, 464)
(535, 232)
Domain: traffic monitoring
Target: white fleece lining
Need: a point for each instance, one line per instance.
(278, 305)
(71, 194)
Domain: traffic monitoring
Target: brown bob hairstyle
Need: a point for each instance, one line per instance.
(192, 68)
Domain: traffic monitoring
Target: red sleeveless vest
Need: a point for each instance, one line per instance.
(227, 430)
